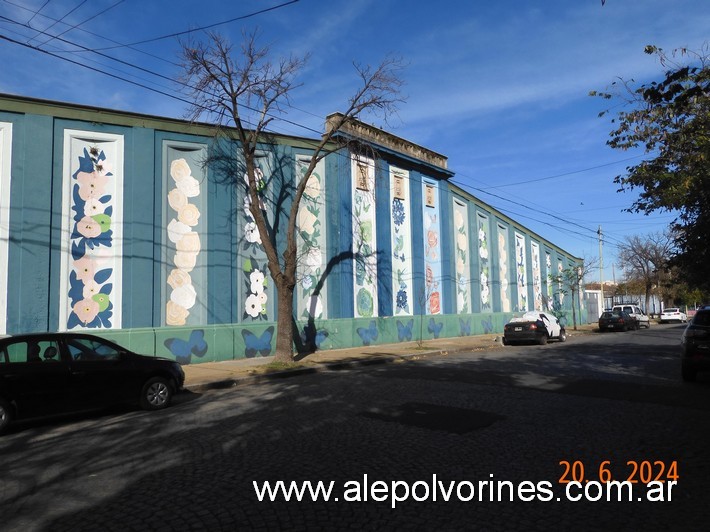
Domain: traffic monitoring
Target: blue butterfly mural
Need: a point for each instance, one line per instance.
(435, 328)
(183, 350)
(487, 325)
(313, 336)
(404, 332)
(368, 335)
(258, 345)
(465, 327)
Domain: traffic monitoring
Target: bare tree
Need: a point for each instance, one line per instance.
(243, 93)
(570, 281)
(645, 259)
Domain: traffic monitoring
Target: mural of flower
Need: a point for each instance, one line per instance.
(91, 288)
(435, 303)
(180, 170)
(176, 230)
(503, 264)
(251, 233)
(184, 296)
(484, 274)
(189, 242)
(90, 284)
(189, 215)
(185, 260)
(256, 282)
(85, 269)
(175, 314)
(306, 220)
(398, 213)
(315, 306)
(256, 278)
(313, 187)
(182, 175)
(402, 302)
(88, 227)
(365, 302)
(177, 199)
(178, 278)
(181, 233)
(253, 305)
(91, 184)
(432, 239)
(93, 207)
(458, 219)
(86, 310)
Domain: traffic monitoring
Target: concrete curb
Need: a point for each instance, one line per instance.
(321, 367)
(347, 362)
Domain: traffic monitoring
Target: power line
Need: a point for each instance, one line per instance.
(37, 12)
(482, 190)
(60, 20)
(565, 174)
(179, 33)
(75, 26)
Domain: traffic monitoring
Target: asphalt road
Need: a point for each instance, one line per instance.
(518, 419)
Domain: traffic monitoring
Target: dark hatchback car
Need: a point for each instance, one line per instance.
(617, 320)
(55, 373)
(695, 343)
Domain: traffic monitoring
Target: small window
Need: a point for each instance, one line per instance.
(32, 351)
(83, 349)
(399, 187)
(429, 199)
(363, 183)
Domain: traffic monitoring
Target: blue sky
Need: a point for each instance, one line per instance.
(500, 88)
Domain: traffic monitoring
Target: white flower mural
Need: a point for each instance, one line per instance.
(185, 216)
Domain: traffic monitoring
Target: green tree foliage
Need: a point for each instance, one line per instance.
(670, 120)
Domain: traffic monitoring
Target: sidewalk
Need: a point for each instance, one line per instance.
(225, 374)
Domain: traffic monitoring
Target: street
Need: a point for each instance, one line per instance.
(599, 407)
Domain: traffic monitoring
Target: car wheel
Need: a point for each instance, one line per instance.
(563, 336)
(156, 394)
(5, 415)
(542, 340)
(688, 374)
(504, 341)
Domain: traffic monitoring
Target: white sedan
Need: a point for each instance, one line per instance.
(673, 314)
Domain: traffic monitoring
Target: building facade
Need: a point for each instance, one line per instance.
(121, 224)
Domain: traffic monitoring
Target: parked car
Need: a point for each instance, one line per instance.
(673, 314)
(617, 320)
(54, 373)
(533, 326)
(695, 343)
(636, 312)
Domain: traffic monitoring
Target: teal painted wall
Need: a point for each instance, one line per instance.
(35, 249)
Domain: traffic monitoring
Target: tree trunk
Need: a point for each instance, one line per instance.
(574, 312)
(284, 324)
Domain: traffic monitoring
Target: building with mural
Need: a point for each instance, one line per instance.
(112, 222)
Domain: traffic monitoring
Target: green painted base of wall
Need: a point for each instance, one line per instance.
(213, 343)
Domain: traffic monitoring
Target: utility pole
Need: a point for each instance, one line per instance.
(601, 272)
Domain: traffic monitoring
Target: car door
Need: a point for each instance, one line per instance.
(100, 374)
(552, 325)
(35, 376)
